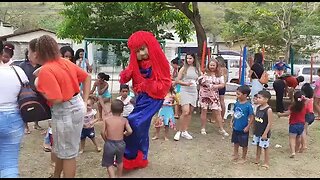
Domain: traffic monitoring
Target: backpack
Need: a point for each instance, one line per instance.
(32, 104)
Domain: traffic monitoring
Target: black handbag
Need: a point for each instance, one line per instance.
(32, 104)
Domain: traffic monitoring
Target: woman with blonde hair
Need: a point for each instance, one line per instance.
(187, 78)
(210, 83)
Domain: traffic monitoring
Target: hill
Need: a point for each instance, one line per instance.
(31, 15)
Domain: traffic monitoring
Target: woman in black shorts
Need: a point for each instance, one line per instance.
(222, 92)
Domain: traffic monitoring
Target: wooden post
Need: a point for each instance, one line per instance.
(203, 56)
(311, 70)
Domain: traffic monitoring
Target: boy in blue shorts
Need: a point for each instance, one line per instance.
(243, 111)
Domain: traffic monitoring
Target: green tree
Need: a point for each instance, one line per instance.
(191, 11)
(119, 20)
(276, 25)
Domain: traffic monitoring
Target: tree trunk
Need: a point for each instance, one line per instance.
(201, 36)
(287, 53)
(195, 18)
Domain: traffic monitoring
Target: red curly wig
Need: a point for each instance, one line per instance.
(158, 85)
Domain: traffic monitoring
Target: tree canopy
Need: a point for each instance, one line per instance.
(121, 19)
(274, 25)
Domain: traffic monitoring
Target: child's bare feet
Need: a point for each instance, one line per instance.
(257, 162)
(266, 166)
(166, 139)
(98, 149)
(292, 155)
(155, 137)
(242, 161)
(235, 157)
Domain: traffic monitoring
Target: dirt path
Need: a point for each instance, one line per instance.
(204, 156)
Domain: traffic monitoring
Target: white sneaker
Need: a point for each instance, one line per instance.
(203, 131)
(177, 136)
(186, 135)
(223, 132)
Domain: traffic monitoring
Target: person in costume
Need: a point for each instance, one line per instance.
(280, 67)
(150, 73)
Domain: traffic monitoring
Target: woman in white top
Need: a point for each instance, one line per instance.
(11, 124)
(187, 78)
(81, 61)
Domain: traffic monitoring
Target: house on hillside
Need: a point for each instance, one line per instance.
(21, 40)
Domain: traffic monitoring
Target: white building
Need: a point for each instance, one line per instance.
(21, 40)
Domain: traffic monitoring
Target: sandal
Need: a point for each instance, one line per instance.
(46, 149)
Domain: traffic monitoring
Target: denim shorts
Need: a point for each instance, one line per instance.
(257, 140)
(296, 128)
(11, 134)
(67, 123)
(87, 132)
(240, 137)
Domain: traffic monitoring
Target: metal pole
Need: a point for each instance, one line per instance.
(243, 72)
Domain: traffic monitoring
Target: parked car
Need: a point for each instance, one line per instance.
(305, 71)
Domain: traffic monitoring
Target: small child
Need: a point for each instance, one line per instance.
(112, 134)
(88, 126)
(127, 100)
(47, 145)
(47, 141)
(102, 85)
(316, 99)
(297, 114)
(166, 115)
(307, 91)
(255, 103)
(242, 112)
(262, 127)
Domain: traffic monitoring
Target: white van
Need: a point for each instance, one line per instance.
(305, 72)
(233, 64)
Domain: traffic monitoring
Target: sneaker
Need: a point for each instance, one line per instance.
(186, 135)
(203, 131)
(177, 136)
(223, 132)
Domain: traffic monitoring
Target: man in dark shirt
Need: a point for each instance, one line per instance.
(29, 67)
(285, 84)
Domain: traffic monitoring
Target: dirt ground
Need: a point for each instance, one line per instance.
(204, 156)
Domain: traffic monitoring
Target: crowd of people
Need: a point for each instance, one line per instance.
(64, 80)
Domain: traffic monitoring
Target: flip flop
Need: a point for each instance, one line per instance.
(46, 149)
